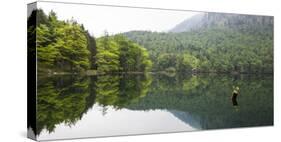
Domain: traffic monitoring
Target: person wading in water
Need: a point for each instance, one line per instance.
(235, 93)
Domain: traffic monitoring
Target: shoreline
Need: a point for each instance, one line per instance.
(95, 73)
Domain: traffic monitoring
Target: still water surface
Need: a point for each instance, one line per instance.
(109, 105)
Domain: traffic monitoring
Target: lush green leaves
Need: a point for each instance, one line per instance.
(117, 53)
(245, 48)
(67, 46)
(61, 45)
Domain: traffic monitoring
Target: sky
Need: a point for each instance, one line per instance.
(97, 19)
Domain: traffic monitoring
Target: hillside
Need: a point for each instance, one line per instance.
(236, 21)
(195, 22)
(222, 43)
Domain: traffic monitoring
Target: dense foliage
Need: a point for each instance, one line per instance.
(117, 53)
(66, 46)
(240, 44)
(61, 45)
(223, 43)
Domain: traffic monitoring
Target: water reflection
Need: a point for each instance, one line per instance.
(199, 101)
(65, 99)
(234, 101)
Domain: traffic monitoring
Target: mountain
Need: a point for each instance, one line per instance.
(195, 22)
(212, 42)
(207, 20)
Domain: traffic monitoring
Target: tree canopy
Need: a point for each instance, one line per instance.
(244, 48)
(68, 46)
(240, 44)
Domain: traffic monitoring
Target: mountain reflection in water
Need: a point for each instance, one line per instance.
(80, 106)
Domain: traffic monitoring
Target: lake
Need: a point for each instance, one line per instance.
(110, 105)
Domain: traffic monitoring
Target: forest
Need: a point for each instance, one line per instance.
(226, 44)
(146, 71)
(66, 46)
(245, 47)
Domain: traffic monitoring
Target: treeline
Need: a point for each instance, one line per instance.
(243, 47)
(227, 44)
(66, 46)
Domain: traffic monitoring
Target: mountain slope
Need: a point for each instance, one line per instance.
(195, 22)
(217, 43)
(237, 21)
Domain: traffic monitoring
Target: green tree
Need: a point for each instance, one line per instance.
(118, 54)
(61, 45)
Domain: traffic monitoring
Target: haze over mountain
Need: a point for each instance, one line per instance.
(205, 20)
(194, 22)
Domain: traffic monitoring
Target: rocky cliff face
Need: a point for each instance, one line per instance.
(236, 21)
(195, 22)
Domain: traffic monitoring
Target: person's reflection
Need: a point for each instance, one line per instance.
(235, 93)
(234, 101)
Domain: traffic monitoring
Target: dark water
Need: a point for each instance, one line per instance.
(76, 106)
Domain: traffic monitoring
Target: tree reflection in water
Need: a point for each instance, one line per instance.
(65, 99)
(201, 100)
